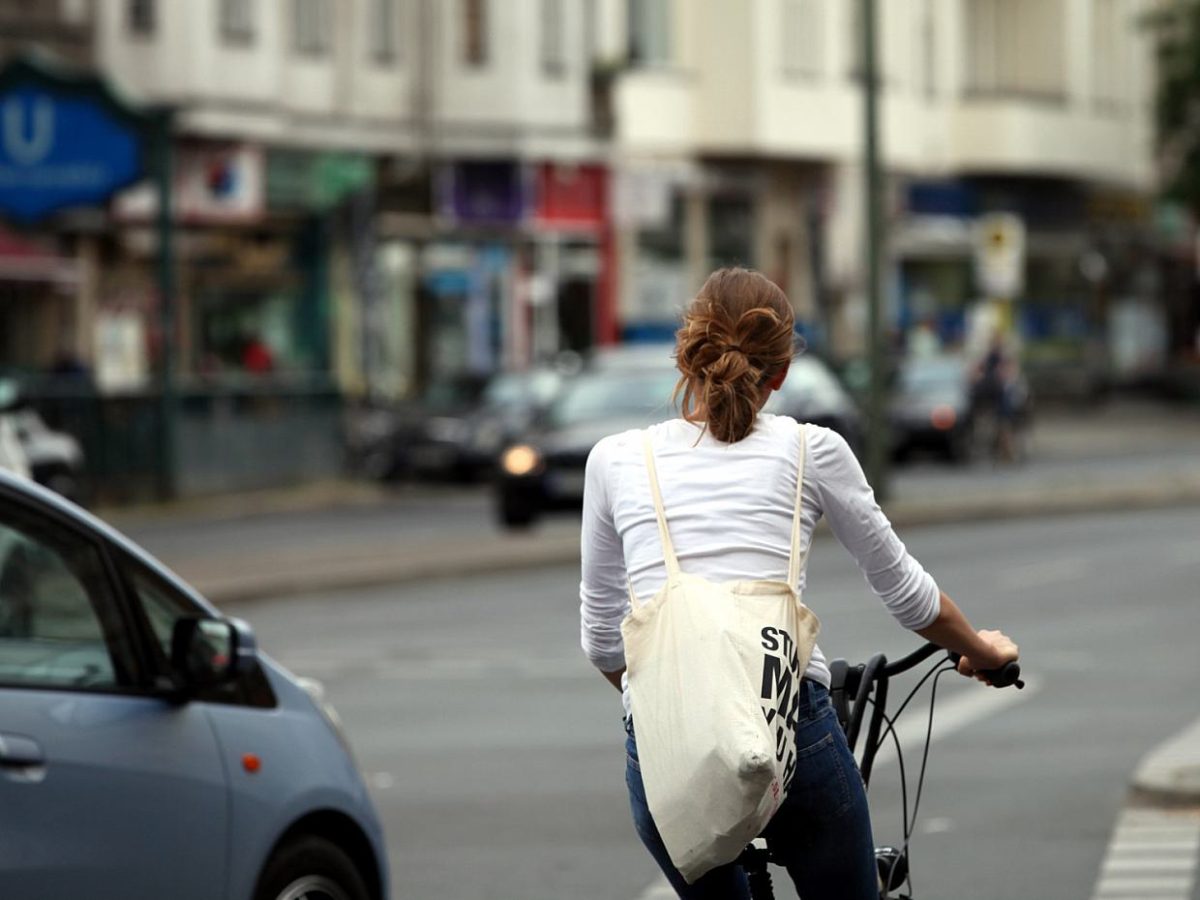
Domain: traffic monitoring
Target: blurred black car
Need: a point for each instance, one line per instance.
(545, 470)
(457, 430)
(631, 387)
(931, 408)
(465, 445)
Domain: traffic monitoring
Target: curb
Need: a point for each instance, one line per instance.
(1169, 775)
(557, 544)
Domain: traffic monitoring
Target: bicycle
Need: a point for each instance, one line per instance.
(852, 690)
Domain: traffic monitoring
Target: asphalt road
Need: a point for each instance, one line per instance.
(494, 751)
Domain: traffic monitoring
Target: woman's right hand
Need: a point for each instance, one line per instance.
(996, 649)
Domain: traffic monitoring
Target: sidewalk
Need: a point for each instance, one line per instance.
(342, 534)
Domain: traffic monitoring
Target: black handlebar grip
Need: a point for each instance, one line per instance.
(1008, 675)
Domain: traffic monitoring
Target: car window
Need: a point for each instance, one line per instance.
(614, 395)
(811, 382)
(58, 624)
(931, 375)
(162, 606)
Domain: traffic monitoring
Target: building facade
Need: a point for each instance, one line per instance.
(745, 119)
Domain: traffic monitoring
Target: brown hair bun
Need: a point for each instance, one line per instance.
(736, 334)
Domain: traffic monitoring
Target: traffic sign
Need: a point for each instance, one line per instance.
(66, 140)
(1000, 255)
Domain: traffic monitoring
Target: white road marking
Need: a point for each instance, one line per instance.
(953, 712)
(1151, 856)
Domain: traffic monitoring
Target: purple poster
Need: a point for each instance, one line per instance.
(484, 193)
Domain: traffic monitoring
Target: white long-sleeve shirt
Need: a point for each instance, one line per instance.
(729, 508)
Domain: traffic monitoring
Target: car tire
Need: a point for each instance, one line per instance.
(311, 868)
(516, 513)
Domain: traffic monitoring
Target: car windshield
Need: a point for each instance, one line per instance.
(918, 376)
(516, 388)
(809, 380)
(608, 395)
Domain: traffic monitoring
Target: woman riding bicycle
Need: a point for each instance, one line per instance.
(727, 474)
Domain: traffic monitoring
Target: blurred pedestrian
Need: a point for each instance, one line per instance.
(739, 492)
(998, 394)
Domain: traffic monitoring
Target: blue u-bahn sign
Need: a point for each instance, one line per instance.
(65, 141)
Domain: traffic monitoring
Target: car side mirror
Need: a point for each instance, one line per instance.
(211, 652)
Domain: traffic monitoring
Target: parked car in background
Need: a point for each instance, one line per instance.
(465, 445)
(381, 439)
(147, 749)
(631, 387)
(931, 408)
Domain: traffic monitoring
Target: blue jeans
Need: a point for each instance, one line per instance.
(821, 833)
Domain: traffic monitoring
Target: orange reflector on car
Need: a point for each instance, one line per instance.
(943, 417)
(251, 763)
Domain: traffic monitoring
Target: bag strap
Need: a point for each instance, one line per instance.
(668, 548)
(795, 557)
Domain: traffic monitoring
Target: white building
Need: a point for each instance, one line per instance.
(753, 110)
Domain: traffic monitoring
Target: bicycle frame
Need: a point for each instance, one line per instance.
(852, 689)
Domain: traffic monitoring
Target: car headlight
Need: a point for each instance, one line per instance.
(521, 460)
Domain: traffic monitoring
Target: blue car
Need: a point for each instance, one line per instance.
(147, 749)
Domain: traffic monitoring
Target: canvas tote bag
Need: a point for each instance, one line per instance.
(714, 677)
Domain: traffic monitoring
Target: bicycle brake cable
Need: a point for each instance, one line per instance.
(935, 672)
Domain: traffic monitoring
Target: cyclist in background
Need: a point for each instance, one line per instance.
(727, 474)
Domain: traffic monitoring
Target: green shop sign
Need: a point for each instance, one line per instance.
(315, 182)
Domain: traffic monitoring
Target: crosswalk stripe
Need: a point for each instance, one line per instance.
(1151, 856)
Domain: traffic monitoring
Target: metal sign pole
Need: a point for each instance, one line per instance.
(876, 407)
(168, 408)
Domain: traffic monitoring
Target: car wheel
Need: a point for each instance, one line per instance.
(311, 868)
(517, 512)
(960, 446)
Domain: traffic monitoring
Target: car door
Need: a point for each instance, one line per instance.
(107, 789)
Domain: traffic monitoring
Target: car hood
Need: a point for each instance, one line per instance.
(582, 437)
(920, 402)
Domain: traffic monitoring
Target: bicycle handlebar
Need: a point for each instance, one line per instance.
(1008, 675)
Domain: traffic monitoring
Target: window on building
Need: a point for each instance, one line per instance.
(237, 21)
(475, 32)
(649, 32)
(553, 38)
(143, 18)
(800, 34)
(312, 26)
(383, 31)
(1016, 47)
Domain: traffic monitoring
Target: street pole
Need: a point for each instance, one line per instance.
(166, 304)
(876, 408)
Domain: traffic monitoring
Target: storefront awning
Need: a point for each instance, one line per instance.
(24, 260)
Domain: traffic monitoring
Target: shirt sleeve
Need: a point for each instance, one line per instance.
(848, 502)
(603, 592)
